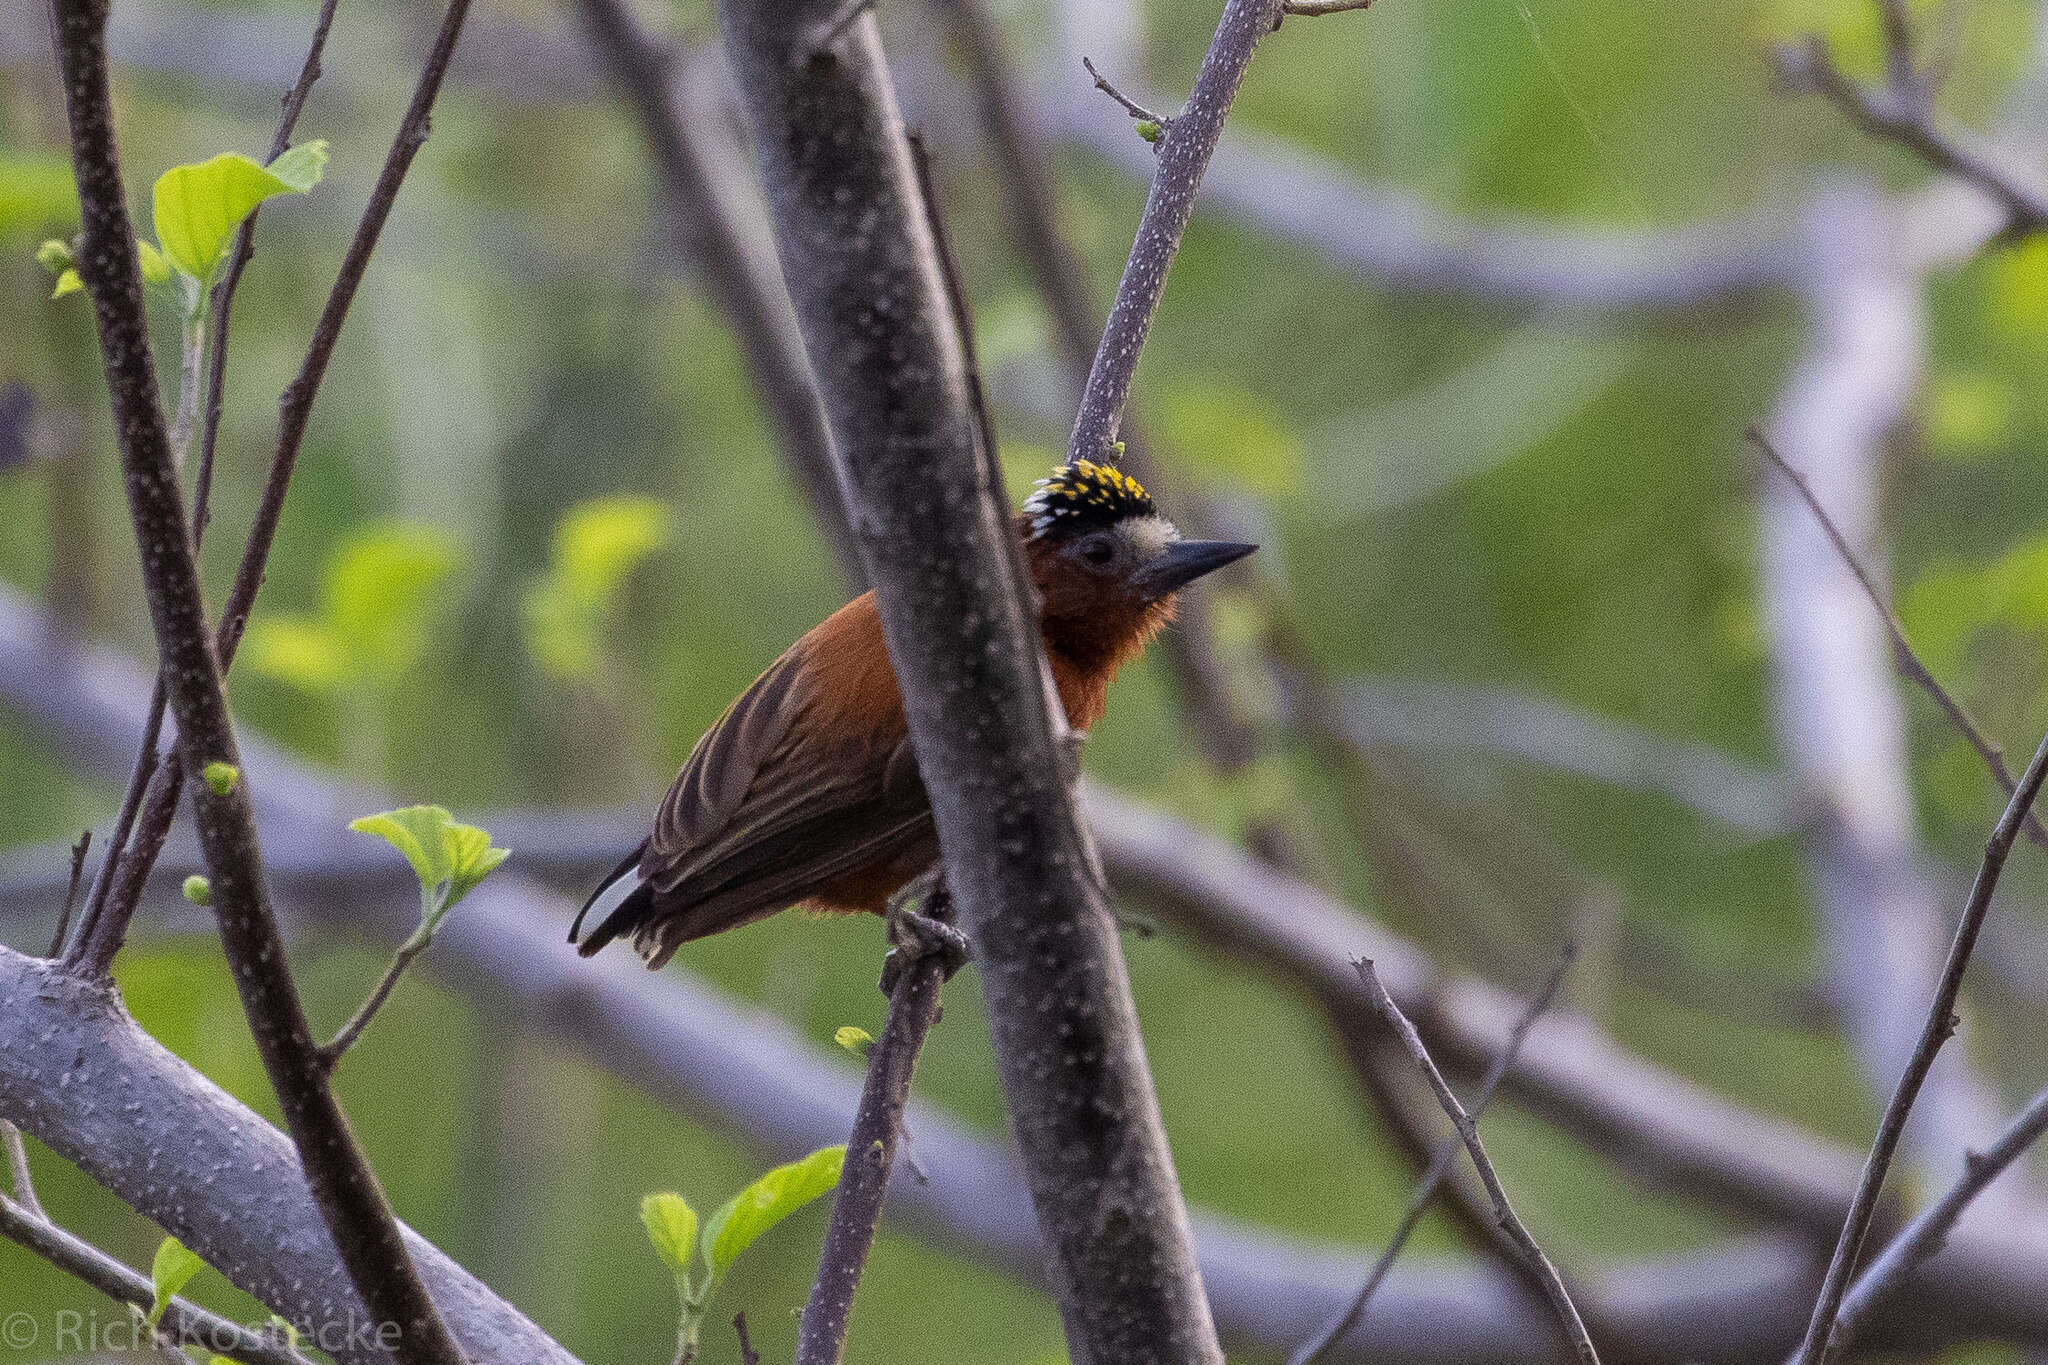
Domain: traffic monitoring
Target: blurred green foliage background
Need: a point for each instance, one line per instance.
(1553, 501)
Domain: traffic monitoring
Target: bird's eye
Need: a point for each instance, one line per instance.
(1098, 550)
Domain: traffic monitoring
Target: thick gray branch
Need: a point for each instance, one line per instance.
(857, 246)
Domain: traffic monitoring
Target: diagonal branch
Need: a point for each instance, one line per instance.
(1185, 146)
(1819, 1347)
(1317, 1346)
(852, 227)
(184, 1322)
(1929, 1230)
(1468, 1132)
(100, 942)
(351, 1202)
(1904, 656)
(871, 1151)
(1901, 114)
(715, 215)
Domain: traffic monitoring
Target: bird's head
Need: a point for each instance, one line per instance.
(1106, 561)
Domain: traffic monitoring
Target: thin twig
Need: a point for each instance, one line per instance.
(1439, 1167)
(1906, 119)
(715, 215)
(351, 1202)
(231, 278)
(184, 1323)
(1923, 1237)
(78, 852)
(1817, 1347)
(1310, 9)
(17, 1166)
(748, 1355)
(871, 1148)
(1184, 147)
(120, 881)
(1904, 658)
(1131, 106)
(1468, 1131)
(331, 1052)
(147, 763)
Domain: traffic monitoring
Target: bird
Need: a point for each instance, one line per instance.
(806, 790)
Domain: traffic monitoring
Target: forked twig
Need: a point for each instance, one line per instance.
(1819, 1345)
(1923, 1237)
(1440, 1165)
(1468, 1132)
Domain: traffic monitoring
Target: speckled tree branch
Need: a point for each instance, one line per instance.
(871, 297)
(351, 1202)
(1186, 142)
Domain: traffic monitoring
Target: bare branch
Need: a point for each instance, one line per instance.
(17, 1165)
(351, 1201)
(165, 1148)
(109, 920)
(1903, 116)
(1468, 1131)
(851, 223)
(1818, 1347)
(1130, 106)
(716, 215)
(1184, 147)
(871, 1151)
(184, 1322)
(1929, 1230)
(1904, 656)
(1314, 8)
(78, 852)
(1314, 1349)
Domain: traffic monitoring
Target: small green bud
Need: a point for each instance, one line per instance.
(68, 283)
(55, 256)
(198, 890)
(854, 1039)
(1150, 129)
(222, 777)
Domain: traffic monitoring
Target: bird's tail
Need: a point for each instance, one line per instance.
(622, 900)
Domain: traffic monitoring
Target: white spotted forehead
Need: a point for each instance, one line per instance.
(1148, 535)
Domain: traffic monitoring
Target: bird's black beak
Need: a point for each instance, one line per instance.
(1182, 562)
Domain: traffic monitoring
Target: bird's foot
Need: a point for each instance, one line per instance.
(920, 925)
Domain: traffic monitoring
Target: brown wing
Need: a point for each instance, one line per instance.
(794, 786)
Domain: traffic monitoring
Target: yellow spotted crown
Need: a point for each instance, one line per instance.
(1083, 495)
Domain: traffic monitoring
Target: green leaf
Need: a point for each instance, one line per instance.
(198, 890)
(54, 255)
(173, 1267)
(600, 541)
(1232, 436)
(473, 858)
(222, 777)
(382, 593)
(561, 631)
(854, 1039)
(302, 166)
(37, 193)
(68, 283)
(439, 849)
(760, 1206)
(1149, 129)
(198, 206)
(672, 1227)
(155, 269)
(298, 651)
